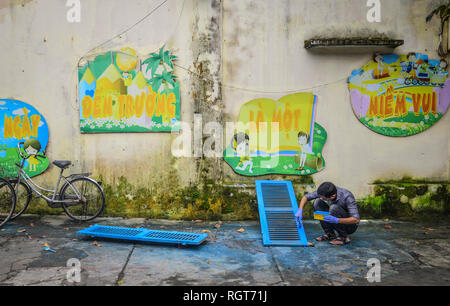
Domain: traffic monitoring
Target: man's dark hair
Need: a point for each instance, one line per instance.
(327, 190)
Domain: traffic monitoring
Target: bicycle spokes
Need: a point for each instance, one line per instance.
(85, 199)
(7, 201)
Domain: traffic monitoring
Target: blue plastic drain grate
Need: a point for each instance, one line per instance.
(277, 207)
(143, 235)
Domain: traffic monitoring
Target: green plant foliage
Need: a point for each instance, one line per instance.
(407, 198)
(208, 202)
(442, 11)
(371, 206)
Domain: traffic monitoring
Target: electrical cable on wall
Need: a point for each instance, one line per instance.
(89, 53)
(130, 28)
(255, 90)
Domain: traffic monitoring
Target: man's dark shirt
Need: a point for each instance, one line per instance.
(344, 198)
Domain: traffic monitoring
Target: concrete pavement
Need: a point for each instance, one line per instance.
(409, 253)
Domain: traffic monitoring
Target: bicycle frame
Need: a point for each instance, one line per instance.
(36, 188)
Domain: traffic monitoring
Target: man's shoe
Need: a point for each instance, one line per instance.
(340, 241)
(326, 237)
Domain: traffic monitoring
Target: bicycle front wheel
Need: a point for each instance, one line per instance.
(85, 199)
(7, 201)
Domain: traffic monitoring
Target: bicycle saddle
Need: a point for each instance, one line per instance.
(63, 164)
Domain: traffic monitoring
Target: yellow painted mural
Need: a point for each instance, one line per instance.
(277, 137)
(118, 94)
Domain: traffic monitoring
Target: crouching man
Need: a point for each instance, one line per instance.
(344, 217)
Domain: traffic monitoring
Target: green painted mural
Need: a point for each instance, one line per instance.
(119, 94)
(21, 122)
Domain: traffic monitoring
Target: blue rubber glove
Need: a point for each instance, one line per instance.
(299, 215)
(331, 219)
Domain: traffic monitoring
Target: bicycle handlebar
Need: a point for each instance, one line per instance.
(20, 151)
(26, 157)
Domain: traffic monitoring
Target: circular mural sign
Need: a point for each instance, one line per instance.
(400, 95)
(20, 122)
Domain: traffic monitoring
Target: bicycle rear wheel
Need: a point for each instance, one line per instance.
(23, 198)
(91, 203)
(7, 201)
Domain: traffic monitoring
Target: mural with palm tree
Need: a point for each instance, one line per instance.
(159, 70)
(120, 93)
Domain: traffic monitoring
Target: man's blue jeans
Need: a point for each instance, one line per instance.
(337, 211)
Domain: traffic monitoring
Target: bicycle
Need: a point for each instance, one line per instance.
(81, 197)
(7, 201)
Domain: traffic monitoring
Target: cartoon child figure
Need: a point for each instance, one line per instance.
(303, 141)
(404, 66)
(32, 147)
(442, 66)
(242, 148)
(438, 72)
(412, 66)
(127, 79)
(381, 71)
(423, 69)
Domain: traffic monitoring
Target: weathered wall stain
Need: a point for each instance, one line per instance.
(10, 3)
(206, 84)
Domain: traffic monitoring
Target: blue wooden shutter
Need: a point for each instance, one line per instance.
(277, 207)
(142, 234)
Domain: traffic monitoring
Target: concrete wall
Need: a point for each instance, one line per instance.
(41, 50)
(263, 53)
(253, 48)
